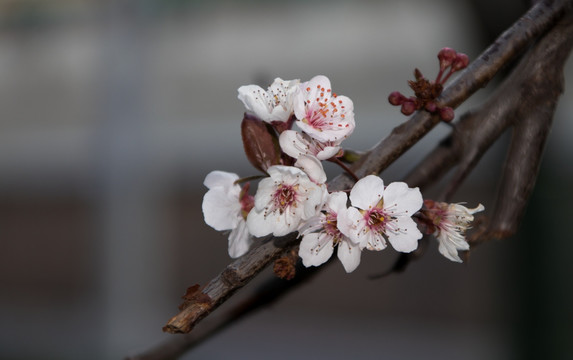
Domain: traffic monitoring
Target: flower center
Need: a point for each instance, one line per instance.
(376, 219)
(330, 226)
(284, 196)
(322, 110)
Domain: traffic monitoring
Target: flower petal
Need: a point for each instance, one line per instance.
(312, 167)
(349, 255)
(448, 248)
(220, 178)
(367, 192)
(293, 144)
(264, 193)
(258, 225)
(337, 201)
(405, 234)
(315, 249)
(400, 199)
(256, 100)
(221, 209)
(328, 152)
(239, 240)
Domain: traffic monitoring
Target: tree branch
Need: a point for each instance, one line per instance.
(536, 21)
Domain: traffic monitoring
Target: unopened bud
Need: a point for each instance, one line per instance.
(447, 113)
(431, 106)
(408, 107)
(461, 62)
(446, 56)
(396, 98)
(418, 74)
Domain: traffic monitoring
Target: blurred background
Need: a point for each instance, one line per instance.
(112, 113)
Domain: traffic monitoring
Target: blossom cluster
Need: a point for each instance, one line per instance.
(293, 195)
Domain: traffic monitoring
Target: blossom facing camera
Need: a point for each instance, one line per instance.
(274, 104)
(378, 214)
(320, 235)
(283, 200)
(225, 207)
(451, 221)
(322, 114)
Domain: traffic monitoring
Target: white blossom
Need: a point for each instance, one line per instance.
(452, 222)
(378, 214)
(296, 144)
(321, 113)
(283, 201)
(225, 207)
(274, 104)
(320, 235)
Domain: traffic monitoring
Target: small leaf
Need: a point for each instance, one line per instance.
(260, 142)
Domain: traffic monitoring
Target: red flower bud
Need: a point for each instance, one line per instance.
(461, 62)
(396, 98)
(408, 107)
(447, 113)
(431, 106)
(446, 57)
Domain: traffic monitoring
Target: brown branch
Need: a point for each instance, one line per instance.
(545, 85)
(527, 101)
(235, 276)
(269, 292)
(513, 41)
(509, 44)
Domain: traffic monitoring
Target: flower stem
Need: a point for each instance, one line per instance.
(248, 178)
(343, 166)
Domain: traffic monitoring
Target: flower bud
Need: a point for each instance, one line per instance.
(446, 57)
(396, 98)
(461, 62)
(408, 107)
(447, 113)
(431, 106)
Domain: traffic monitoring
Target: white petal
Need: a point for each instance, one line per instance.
(400, 199)
(315, 249)
(220, 210)
(314, 87)
(311, 225)
(448, 249)
(264, 194)
(314, 199)
(328, 152)
(372, 241)
(257, 224)
(349, 255)
(367, 192)
(405, 239)
(220, 178)
(312, 167)
(337, 201)
(293, 144)
(239, 240)
(256, 100)
(289, 175)
(279, 114)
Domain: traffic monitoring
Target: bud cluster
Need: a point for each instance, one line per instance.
(426, 92)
